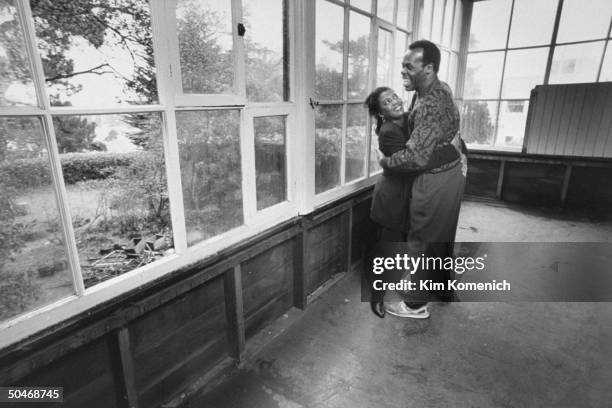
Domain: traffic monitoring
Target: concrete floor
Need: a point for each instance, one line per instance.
(338, 354)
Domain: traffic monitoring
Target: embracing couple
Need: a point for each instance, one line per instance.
(417, 198)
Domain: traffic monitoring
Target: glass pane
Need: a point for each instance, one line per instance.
(483, 75)
(403, 14)
(444, 60)
(448, 23)
(96, 54)
(606, 69)
(478, 122)
(209, 151)
(362, 4)
(355, 141)
(524, 70)
(425, 22)
(267, 62)
(438, 15)
(328, 143)
(270, 162)
(452, 70)
(576, 63)
(16, 86)
(401, 45)
(205, 46)
(512, 120)
(358, 61)
(34, 268)
(532, 22)
(117, 190)
(385, 9)
(489, 26)
(374, 166)
(457, 25)
(383, 66)
(328, 52)
(580, 21)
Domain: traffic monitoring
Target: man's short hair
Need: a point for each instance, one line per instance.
(431, 53)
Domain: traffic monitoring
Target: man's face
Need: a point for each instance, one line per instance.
(413, 71)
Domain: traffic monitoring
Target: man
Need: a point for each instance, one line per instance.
(436, 193)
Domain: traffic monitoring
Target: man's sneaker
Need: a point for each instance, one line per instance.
(401, 310)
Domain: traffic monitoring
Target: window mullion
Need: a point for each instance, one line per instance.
(239, 54)
(345, 52)
(247, 163)
(163, 24)
(56, 168)
(553, 42)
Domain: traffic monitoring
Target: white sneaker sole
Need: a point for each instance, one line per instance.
(416, 315)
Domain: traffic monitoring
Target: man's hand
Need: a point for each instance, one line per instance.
(382, 159)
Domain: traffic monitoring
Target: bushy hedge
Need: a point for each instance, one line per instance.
(75, 166)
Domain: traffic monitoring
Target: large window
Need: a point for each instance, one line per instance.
(356, 49)
(109, 165)
(515, 45)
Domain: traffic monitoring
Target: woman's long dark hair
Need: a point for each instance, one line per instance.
(373, 105)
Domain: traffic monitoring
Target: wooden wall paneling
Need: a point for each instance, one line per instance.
(174, 343)
(552, 137)
(563, 135)
(85, 374)
(532, 183)
(300, 270)
(326, 251)
(362, 229)
(592, 129)
(604, 138)
(267, 286)
(583, 122)
(235, 311)
(552, 101)
(123, 368)
(482, 178)
(574, 130)
(500, 179)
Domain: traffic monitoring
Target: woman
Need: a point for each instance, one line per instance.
(391, 197)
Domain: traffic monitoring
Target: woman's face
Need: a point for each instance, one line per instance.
(391, 105)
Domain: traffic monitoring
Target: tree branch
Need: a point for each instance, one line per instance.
(87, 71)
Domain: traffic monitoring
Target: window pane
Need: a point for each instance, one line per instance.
(452, 71)
(16, 86)
(478, 122)
(444, 60)
(267, 62)
(362, 4)
(524, 70)
(580, 21)
(205, 46)
(403, 13)
(96, 54)
(355, 141)
(328, 143)
(33, 264)
(438, 15)
(116, 184)
(489, 26)
(532, 22)
(358, 61)
(576, 63)
(425, 22)
(457, 25)
(270, 163)
(329, 35)
(374, 166)
(512, 120)
(606, 69)
(383, 67)
(385, 9)
(448, 23)
(401, 45)
(483, 75)
(209, 150)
